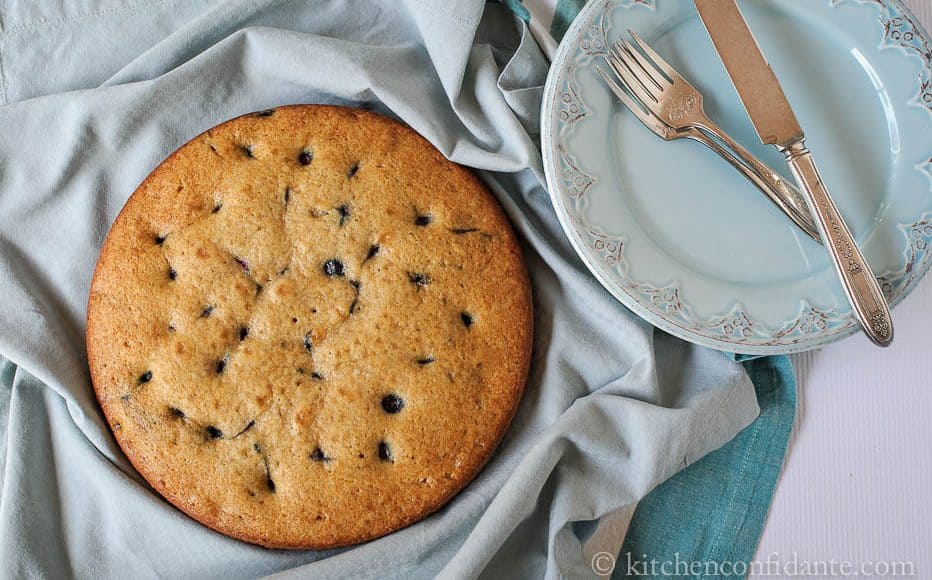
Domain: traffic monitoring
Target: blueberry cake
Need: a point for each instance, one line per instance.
(308, 329)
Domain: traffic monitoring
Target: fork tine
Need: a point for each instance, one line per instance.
(622, 94)
(619, 92)
(627, 77)
(662, 64)
(644, 116)
(644, 77)
(650, 69)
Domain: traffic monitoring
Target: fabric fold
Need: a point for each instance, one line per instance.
(612, 407)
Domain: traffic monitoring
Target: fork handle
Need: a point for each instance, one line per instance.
(772, 184)
(861, 288)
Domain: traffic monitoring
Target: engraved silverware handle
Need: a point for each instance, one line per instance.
(863, 292)
(779, 190)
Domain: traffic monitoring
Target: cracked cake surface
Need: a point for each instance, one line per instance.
(308, 329)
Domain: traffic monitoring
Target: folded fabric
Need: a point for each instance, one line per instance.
(710, 516)
(612, 408)
(713, 511)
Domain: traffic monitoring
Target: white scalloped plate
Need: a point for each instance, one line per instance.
(685, 242)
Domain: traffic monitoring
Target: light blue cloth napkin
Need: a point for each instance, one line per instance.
(710, 515)
(97, 92)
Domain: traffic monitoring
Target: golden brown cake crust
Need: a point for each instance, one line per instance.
(308, 329)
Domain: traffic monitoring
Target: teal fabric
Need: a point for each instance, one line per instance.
(710, 515)
(563, 15)
(518, 8)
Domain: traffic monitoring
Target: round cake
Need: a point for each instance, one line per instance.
(308, 329)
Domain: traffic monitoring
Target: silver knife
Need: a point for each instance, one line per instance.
(776, 124)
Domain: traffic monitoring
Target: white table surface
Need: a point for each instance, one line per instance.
(857, 484)
(856, 488)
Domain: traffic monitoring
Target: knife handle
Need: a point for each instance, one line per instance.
(861, 288)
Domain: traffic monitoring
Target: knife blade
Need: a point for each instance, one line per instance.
(776, 124)
(753, 77)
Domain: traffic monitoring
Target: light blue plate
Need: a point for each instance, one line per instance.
(683, 240)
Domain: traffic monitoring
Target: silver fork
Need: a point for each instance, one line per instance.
(672, 108)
